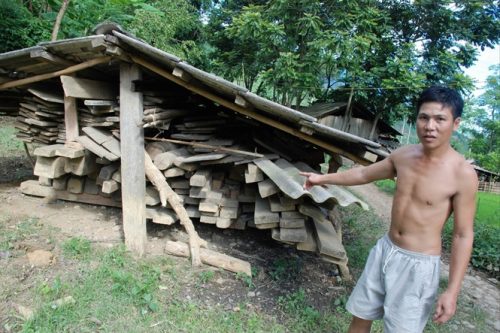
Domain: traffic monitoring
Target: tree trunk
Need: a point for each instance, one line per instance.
(59, 17)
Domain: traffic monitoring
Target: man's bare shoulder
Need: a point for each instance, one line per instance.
(405, 152)
(464, 171)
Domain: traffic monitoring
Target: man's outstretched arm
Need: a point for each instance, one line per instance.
(464, 207)
(355, 176)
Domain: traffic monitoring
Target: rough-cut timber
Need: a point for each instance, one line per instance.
(132, 162)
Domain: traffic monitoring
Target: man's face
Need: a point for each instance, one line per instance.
(435, 124)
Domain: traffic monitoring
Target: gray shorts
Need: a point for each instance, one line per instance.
(397, 285)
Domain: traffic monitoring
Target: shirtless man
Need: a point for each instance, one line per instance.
(401, 276)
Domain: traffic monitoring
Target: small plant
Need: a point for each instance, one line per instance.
(52, 290)
(285, 269)
(247, 279)
(77, 247)
(205, 277)
(295, 304)
(140, 289)
(23, 230)
(116, 256)
(340, 301)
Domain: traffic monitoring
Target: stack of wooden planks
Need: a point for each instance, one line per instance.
(235, 195)
(227, 171)
(40, 120)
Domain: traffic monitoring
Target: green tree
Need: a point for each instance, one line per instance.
(384, 52)
(19, 27)
(481, 124)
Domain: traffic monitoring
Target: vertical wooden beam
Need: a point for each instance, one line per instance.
(70, 118)
(132, 160)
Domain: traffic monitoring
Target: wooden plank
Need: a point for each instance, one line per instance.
(87, 89)
(278, 206)
(50, 167)
(132, 160)
(267, 188)
(203, 157)
(75, 184)
(161, 215)
(97, 135)
(81, 166)
(292, 223)
(173, 172)
(310, 243)
(47, 151)
(95, 148)
(293, 235)
(47, 96)
(152, 197)
(70, 118)
(263, 214)
(110, 186)
(200, 178)
(328, 240)
(31, 187)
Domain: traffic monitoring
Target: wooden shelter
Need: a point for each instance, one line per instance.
(120, 123)
(355, 119)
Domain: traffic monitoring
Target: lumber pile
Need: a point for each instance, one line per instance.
(40, 121)
(226, 170)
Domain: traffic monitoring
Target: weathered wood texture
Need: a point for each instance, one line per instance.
(132, 162)
(211, 258)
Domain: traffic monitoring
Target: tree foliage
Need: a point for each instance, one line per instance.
(293, 51)
(386, 51)
(481, 124)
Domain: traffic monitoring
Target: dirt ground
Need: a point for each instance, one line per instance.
(60, 220)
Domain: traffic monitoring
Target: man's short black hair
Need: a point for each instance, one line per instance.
(446, 96)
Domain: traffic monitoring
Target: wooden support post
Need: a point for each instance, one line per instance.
(132, 160)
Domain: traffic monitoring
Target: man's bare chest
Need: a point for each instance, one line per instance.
(429, 187)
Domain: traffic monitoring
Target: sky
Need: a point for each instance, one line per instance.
(480, 71)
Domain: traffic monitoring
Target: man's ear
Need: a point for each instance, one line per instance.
(456, 123)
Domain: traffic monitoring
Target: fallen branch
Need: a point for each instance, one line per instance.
(168, 195)
(211, 258)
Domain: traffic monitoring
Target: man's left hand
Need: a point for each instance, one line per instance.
(445, 307)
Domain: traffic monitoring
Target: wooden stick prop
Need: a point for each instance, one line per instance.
(204, 145)
(211, 258)
(167, 194)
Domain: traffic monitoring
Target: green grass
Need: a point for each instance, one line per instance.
(115, 292)
(9, 144)
(488, 209)
(12, 231)
(386, 185)
(122, 294)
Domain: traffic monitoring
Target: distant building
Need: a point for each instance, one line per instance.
(359, 122)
